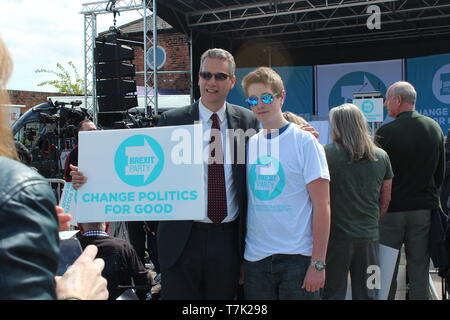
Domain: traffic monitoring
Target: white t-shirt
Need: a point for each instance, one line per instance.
(279, 207)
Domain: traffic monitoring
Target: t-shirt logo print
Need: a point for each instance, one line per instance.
(267, 178)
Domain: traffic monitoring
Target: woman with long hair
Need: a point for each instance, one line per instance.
(29, 242)
(7, 147)
(360, 189)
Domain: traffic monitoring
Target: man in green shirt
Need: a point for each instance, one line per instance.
(415, 145)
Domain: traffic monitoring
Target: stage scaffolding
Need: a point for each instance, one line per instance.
(147, 8)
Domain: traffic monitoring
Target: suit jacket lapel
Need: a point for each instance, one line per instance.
(234, 122)
(193, 113)
(232, 117)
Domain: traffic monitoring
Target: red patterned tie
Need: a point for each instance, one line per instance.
(217, 195)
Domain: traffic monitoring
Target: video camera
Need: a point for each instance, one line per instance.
(47, 118)
(69, 115)
(30, 133)
(135, 122)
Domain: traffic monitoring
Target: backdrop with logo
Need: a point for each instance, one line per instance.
(336, 83)
(431, 78)
(298, 82)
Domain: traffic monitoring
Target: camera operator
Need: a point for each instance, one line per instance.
(72, 158)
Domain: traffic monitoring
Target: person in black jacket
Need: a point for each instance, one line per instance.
(29, 243)
(123, 268)
(445, 189)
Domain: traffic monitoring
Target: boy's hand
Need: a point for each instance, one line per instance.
(314, 279)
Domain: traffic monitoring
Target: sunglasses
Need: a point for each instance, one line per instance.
(219, 76)
(265, 98)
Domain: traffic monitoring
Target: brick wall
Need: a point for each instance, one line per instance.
(177, 59)
(31, 98)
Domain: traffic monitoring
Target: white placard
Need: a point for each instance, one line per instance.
(372, 108)
(68, 202)
(388, 259)
(64, 235)
(383, 274)
(141, 174)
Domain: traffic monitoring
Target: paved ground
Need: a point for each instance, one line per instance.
(401, 283)
(435, 284)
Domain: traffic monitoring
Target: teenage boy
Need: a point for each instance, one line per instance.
(288, 200)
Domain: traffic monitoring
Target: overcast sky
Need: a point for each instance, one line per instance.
(40, 33)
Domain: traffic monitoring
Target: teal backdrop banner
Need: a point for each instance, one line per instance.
(298, 82)
(336, 83)
(431, 78)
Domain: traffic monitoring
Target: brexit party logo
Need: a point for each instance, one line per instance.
(441, 84)
(367, 106)
(139, 160)
(358, 81)
(266, 178)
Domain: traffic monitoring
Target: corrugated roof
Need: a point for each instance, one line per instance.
(298, 24)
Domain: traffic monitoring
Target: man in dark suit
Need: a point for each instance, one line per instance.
(201, 259)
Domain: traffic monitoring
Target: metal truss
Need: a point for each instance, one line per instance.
(100, 7)
(90, 32)
(90, 12)
(310, 22)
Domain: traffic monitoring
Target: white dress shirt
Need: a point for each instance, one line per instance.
(232, 201)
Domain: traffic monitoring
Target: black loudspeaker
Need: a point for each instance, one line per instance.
(111, 70)
(114, 72)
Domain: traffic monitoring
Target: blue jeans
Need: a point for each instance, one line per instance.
(278, 277)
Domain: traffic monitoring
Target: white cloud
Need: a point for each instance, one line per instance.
(40, 33)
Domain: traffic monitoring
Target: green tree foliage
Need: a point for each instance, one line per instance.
(64, 83)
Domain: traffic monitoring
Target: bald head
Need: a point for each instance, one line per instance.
(405, 90)
(400, 97)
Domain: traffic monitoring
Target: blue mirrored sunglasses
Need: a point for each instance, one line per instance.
(265, 98)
